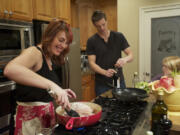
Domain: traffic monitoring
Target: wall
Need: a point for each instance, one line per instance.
(128, 24)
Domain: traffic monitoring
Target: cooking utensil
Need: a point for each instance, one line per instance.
(129, 94)
(71, 122)
(72, 113)
(125, 94)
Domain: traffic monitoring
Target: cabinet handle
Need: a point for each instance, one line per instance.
(10, 13)
(6, 12)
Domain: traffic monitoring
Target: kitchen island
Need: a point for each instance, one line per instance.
(151, 100)
(118, 118)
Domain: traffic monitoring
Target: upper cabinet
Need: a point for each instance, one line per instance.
(44, 9)
(49, 9)
(85, 9)
(63, 10)
(20, 9)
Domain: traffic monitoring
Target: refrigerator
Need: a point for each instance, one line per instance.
(70, 73)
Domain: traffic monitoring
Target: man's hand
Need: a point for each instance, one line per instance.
(110, 72)
(120, 62)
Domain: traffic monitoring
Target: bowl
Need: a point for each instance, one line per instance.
(172, 100)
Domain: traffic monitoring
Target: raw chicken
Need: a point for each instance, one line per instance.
(82, 109)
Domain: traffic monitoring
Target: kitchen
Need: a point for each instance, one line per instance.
(118, 15)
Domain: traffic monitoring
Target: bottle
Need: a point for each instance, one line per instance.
(135, 79)
(159, 110)
(166, 124)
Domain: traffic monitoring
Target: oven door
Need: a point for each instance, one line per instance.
(6, 90)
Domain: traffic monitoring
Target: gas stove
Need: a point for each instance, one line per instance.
(118, 118)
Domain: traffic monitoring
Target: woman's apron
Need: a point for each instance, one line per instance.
(31, 116)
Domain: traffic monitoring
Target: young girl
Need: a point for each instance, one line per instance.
(169, 64)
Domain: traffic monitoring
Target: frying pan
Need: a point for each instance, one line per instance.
(126, 94)
(71, 122)
(129, 94)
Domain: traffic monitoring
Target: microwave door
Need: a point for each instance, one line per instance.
(43, 27)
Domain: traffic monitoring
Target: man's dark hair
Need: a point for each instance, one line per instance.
(98, 15)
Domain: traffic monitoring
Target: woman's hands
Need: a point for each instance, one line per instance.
(61, 95)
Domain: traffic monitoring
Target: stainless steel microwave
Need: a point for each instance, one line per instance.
(14, 37)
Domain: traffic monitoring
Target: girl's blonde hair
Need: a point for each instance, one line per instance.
(172, 63)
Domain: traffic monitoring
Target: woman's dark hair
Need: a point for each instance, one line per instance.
(98, 15)
(51, 31)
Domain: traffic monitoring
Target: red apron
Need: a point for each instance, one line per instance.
(30, 118)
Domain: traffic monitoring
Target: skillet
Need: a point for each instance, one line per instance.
(126, 94)
(129, 94)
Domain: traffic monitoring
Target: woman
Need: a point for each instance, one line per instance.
(37, 83)
(169, 64)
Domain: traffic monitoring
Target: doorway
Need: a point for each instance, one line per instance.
(159, 37)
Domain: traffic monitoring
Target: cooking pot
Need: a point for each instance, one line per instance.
(129, 94)
(71, 122)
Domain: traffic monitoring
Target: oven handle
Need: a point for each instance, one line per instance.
(7, 86)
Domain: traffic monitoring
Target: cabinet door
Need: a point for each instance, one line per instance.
(86, 92)
(21, 9)
(44, 9)
(88, 87)
(4, 8)
(63, 10)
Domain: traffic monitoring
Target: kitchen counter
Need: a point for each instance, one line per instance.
(143, 124)
(151, 100)
(134, 118)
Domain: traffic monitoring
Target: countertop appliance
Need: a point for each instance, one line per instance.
(14, 37)
(118, 118)
(70, 73)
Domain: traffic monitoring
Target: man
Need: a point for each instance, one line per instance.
(104, 53)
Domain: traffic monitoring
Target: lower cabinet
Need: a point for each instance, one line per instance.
(88, 92)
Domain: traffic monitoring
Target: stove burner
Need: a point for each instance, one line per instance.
(118, 118)
(78, 129)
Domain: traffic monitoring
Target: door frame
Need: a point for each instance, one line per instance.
(145, 16)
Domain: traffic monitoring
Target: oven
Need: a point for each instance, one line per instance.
(14, 37)
(6, 101)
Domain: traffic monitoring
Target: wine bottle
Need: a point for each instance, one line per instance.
(166, 124)
(135, 79)
(159, 109)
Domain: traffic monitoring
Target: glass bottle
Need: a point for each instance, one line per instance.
(166, 124)
(159, 109)
(135, 79)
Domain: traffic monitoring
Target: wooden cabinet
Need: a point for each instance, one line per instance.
(20, 9)
(85, 10)
(88, 92)
(63, 10)
(49, 9)
(44, 9)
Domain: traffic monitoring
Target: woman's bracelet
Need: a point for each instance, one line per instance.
(51, 93)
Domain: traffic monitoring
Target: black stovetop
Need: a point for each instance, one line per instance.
(118, 118)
